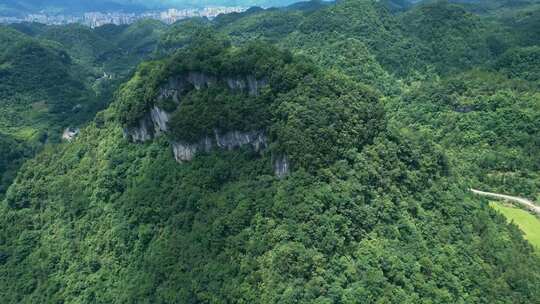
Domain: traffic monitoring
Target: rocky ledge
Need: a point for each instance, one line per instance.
(177, 85)
(155, 121)
(231, 140)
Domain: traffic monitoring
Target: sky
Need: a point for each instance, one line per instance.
(147, 3)
(194, 3)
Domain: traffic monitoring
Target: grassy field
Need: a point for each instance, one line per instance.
(528, 223)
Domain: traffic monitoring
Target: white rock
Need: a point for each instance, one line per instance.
(281, 166)
(70, 133)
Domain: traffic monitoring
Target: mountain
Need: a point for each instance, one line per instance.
(284, 216)
(318, 153)
(456, 38)
(58, 96)
(65, 67)
(489, 6)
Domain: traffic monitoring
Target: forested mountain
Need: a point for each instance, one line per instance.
(320, 153)
(54, 77)
(490, 6)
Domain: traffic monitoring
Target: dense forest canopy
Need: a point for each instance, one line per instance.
(54, 77)
(318, 153)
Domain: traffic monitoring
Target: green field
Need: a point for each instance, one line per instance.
(527, 222)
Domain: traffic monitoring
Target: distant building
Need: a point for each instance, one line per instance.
(96, 19)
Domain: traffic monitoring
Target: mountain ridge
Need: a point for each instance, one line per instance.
(316, 154)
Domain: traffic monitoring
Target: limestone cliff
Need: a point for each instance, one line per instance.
(281, 166)
(155, 121)
(177, 85)
(151, 125)
(229, 141)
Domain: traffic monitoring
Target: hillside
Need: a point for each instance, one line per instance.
(221, 220)
(320, 153)
(58, 96)
(51, 78)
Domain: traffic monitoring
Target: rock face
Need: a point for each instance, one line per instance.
(201, 80)
(153, 124)
(172, 89)
(231, 140)
(140, 133)
(184, 152)
(70, 133)
(249, 83)
(159, 118)
(176, 86)
(281, 166)
(156, 121)
(236, 139)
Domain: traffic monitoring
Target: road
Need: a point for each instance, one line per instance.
(522, 201)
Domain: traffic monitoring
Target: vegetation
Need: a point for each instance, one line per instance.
(51, 77)
(386, 117)
(40, 92)
(527, 222)
(364, 226)
(487, 123)
(456, 39)
(521, 63)
(12, 153)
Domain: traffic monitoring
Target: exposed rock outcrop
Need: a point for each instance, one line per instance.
(70, 133)
(156, 121)
(175, 86)
(249, 83)
(172, 89)
(236, 139)
(159, 118)
(141, 132)
(231, 140)
(281, 166)
(184, 152)
(153, 124)
(201, 80)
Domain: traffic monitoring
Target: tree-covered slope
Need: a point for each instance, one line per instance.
(361, 38)
(109, 49)
(487, 122)
(366, 212)
(12, 154)
(456, 39)
(41, 91)
(311, 154)
(494, 6)
(433, 41)
(52, 77)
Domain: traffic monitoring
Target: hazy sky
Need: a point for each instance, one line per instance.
(14, 7)
(212, 2)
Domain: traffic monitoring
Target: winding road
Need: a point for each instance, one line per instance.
(522, 201)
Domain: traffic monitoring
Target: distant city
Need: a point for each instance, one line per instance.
(96, 19)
